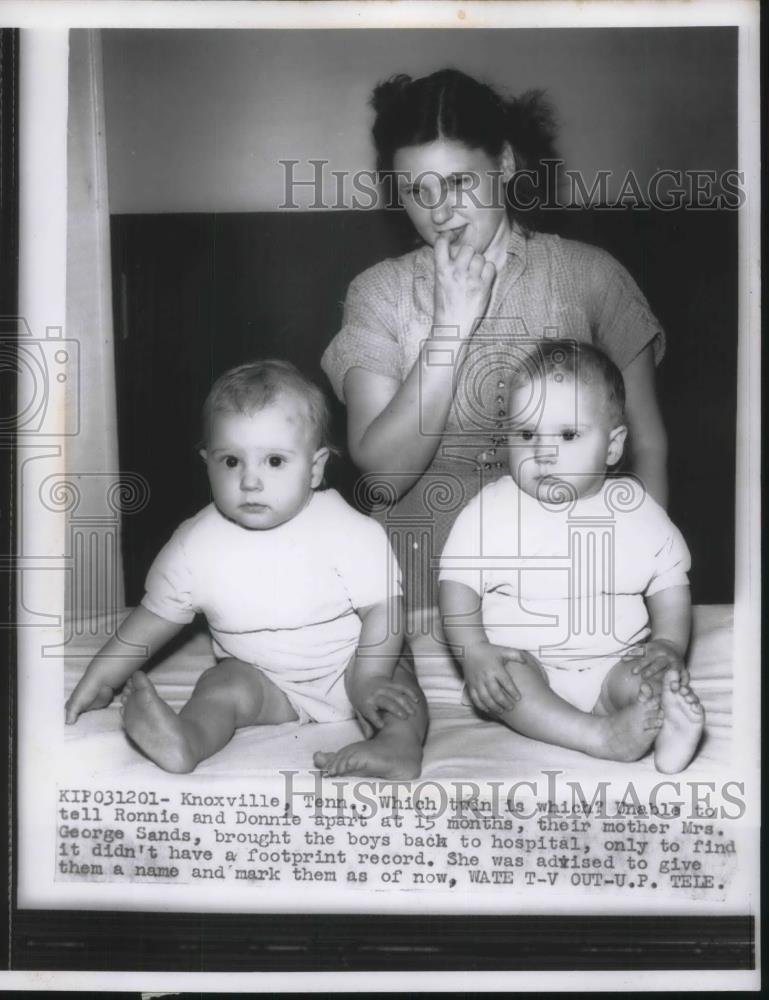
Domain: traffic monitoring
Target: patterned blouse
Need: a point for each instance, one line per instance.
(550, 287)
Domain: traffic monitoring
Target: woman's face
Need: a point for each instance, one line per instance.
(447, 187)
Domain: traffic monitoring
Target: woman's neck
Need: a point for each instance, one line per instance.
(496, 251)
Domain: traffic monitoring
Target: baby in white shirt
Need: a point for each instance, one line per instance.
(301, 594)
(564, 593)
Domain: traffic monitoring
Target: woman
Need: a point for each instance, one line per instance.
(421, 358)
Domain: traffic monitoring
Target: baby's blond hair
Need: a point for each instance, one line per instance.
(580, 362)
(252, 386)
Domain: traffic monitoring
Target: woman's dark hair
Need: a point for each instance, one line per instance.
(451, 105)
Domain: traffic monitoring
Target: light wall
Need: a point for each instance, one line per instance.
(197, 121)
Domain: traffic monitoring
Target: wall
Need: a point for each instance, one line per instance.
(200, 293)
(196, 123)
(198, 120)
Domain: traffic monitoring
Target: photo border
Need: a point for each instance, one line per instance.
(9, 272)
(65, 940)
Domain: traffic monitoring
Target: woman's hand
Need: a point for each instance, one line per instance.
(394, 428)
(463, 281)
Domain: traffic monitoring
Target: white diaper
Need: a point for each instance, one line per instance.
(320, 700)
(316, 701)
(579, 682)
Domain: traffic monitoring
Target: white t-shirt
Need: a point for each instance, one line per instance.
(565, 581)
(285, 598)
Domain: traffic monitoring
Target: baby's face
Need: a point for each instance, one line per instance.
(562, 434)
(263, 466)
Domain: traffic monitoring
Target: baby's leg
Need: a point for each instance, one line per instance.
(226, 697)
(394, 751)
(624, 735)
(621, 686)
(683, 715)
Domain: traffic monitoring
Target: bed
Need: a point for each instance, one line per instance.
(460, 744)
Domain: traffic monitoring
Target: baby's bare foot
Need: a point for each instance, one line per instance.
(629, 733)
(104, 697)
(154, 727)
(680, 735)
(386, 755)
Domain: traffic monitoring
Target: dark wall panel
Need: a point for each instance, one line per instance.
(196, 294)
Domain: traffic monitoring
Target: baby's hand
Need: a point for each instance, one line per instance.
(375, 695)
(89, 694)
(490, 686)
(656, 656)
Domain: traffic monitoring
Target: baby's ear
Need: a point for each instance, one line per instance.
(617, 438)
(203, 454)
(318, 466)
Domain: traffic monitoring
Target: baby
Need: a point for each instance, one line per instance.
(301, 594)
(564, 593)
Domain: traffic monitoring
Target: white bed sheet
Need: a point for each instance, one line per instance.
(460, 744)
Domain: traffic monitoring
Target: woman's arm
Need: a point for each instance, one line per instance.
(395, 427)
(647, 437)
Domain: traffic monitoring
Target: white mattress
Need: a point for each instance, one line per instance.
(459, 745)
